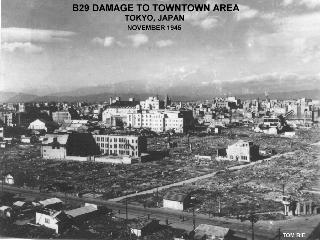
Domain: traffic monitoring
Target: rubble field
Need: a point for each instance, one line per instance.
(256, 187)
(111, 181)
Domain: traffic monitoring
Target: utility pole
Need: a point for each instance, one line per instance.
(253, 219)
(157, 197)
(252, 230)
(194, 219)
(126, 210)
(279, 234)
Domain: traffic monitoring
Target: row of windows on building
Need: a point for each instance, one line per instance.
(102, 145)
(124, 140)
(241, 157)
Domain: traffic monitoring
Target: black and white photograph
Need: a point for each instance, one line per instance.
(160, 119)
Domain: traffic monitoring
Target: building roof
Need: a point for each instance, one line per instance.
(141, 223)
(3, 208)
(174, 196)
(124, 104)
(210, 230)
(81, 211)
(61, 139)
(50, 201)
(19, 203)
(58, 215)
(241, 142)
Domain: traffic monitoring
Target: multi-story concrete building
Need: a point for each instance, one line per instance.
(119, 109)
(61, 116)
(8, 118)
(243, 151)
(152, 103)
(121, 145)
(147, 119)
(160, 121)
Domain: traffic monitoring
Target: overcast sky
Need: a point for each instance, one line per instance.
(49, 48)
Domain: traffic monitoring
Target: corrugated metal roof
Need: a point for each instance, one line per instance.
(81, 211)
(19, 203)
(50, 201)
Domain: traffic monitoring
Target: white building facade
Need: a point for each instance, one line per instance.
(121, 145)
(38, 125)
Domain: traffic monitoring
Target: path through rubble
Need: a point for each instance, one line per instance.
(191, 180)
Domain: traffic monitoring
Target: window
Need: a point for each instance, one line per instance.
(47, 220)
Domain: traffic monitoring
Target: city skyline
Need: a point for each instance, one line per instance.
(47, 48)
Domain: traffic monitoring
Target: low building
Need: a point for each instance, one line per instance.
(73, 146)
(83, 213)
(243, 151)
(38, 125)
(6, 212)
(8, 179)
(272, 121)
(210, 232)
(21, 205)
(117, 159)
(56, 220)
(143, 227)
(51, 203)
(54, 146)
(74, 126)
(176, 201)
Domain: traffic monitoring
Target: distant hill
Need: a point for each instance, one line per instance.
(187, 89)
(104, 97)
(313, 94)
(16, 97)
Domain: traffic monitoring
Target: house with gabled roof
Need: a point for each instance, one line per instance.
(56, 220)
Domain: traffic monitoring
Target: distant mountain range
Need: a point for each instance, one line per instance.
(180, 90)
